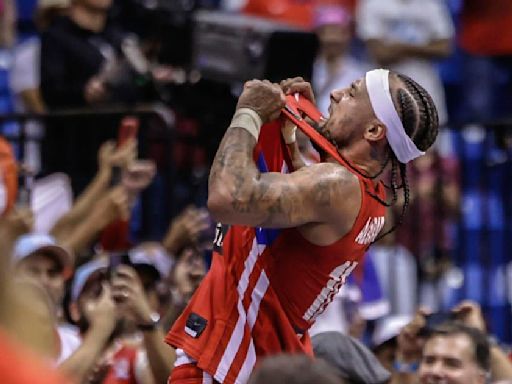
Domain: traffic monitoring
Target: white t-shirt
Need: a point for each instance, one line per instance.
(412, 22)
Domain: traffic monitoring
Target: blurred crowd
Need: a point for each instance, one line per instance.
(84, 294)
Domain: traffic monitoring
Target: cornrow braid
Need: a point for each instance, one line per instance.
(394, 186)
(421, 127)
(403, 176)
(424, 133)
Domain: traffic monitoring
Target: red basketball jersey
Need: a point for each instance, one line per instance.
(266, 287)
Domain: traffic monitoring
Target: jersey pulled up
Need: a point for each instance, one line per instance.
(266, 286)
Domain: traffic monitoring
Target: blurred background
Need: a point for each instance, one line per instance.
(160, 78)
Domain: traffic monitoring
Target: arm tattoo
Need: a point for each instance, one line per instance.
(269, 199)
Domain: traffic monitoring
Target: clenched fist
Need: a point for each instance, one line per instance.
(263, 97)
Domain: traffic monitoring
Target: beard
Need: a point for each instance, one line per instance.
(321, 128)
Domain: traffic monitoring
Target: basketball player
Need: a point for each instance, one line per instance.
(266, 286)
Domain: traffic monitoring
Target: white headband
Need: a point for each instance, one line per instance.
(377, 85)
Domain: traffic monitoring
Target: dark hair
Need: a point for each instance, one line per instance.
(421, 127)
(421, 124)
(293, 369)
(481, 349)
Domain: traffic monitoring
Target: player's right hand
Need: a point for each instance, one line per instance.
(263, 97)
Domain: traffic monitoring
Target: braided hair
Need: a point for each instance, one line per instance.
(421, 125)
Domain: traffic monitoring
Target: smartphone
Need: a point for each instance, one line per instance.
(128, 129)
(117, 259)
(435, 319)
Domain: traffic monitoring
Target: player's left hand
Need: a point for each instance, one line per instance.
(294, 85)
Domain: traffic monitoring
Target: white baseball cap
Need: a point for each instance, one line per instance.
(82, 275)
(153, 254)
(388, 328)
(31, 243)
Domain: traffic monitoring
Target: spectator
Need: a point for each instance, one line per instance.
(100, 204)
(384, 338)
(293, 370)
(486, 39)
(25, 79)
(187, 273)
(352, 360)
(134, 347)
(39, 257)
(25, 73)
(154, 254)
(334, 67)
(86, 61)
(187, 228)
(18, 365)
(456, 351)
(407, 36)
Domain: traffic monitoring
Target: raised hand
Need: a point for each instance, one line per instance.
(115, 205)
(470, 313)
(109, 155)
(297, 85)
(138, 175)
(129, 294)
(17, 222)
(186, 228)
(101, 311)
(410, 343)
(263, 97)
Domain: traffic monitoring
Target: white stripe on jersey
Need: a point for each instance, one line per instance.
(256, 296)
(248, 365)
(207, 379)
(252, 314)
(338, 276)
(238, 333)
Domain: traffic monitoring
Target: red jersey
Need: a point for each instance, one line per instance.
(266, 287)
(122, 370)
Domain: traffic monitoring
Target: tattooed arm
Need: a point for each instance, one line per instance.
(240, 194)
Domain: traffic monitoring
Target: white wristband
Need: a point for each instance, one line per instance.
(247, 119)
